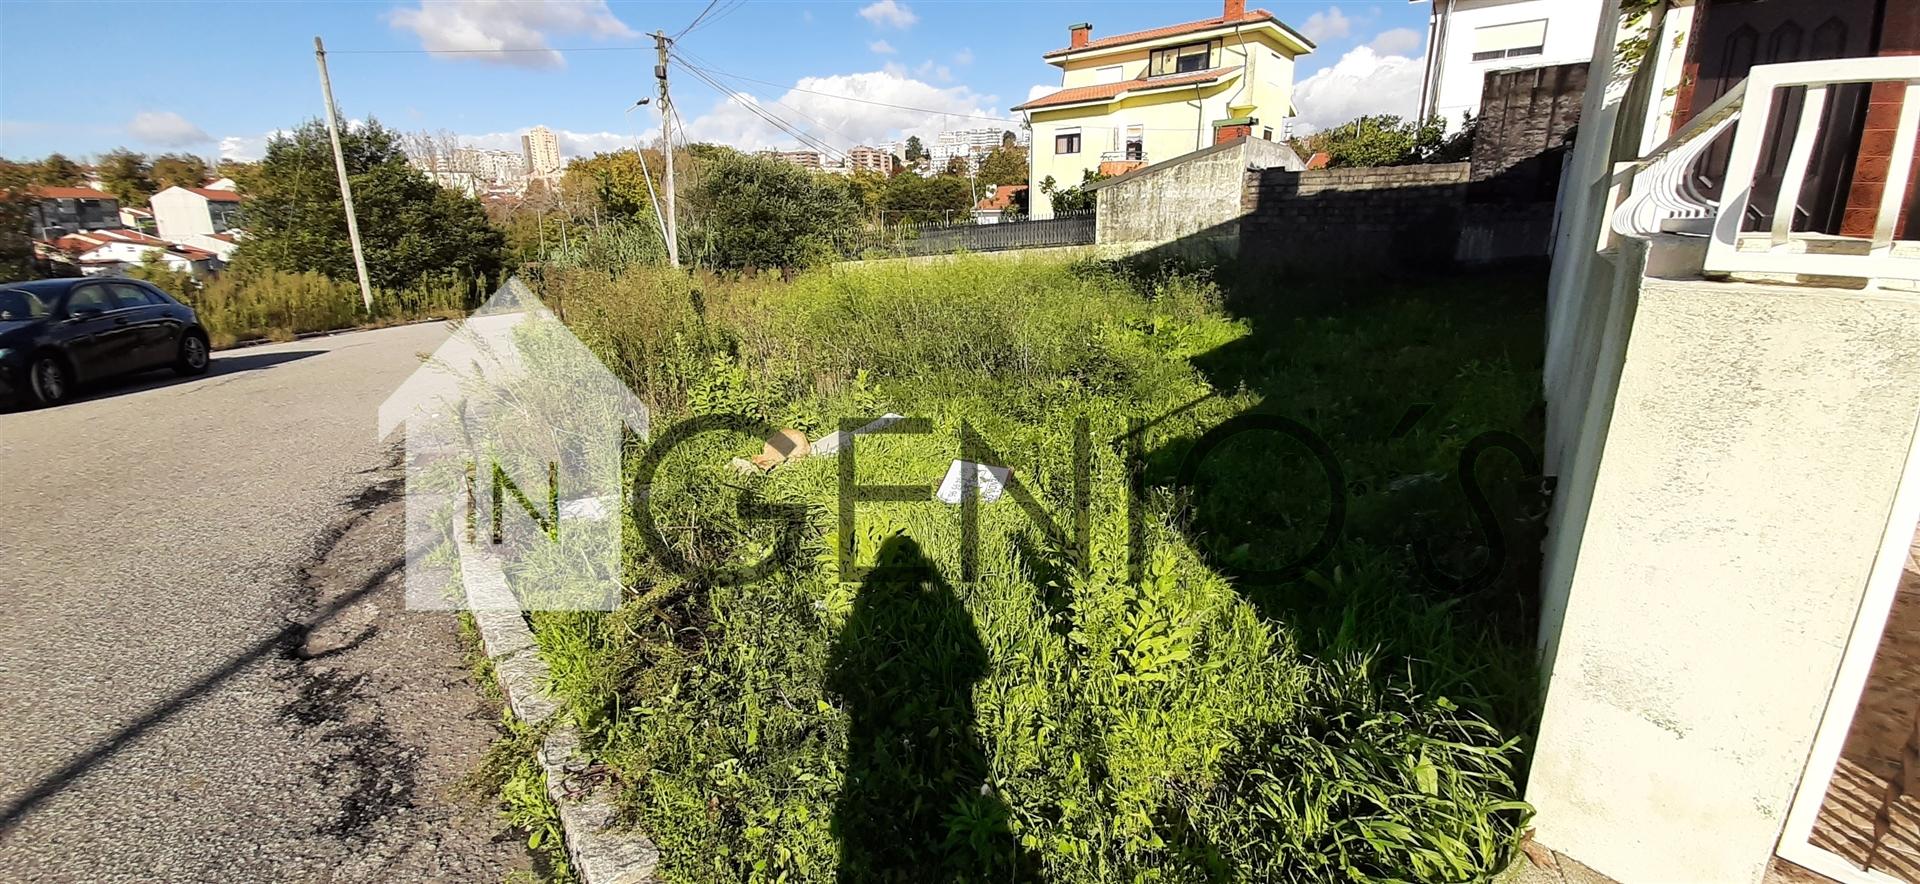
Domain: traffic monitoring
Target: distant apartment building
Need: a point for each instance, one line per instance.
(870, 159)
(541, 151)
(57, 211)
(496, 166)
(971, 144)
(805, 159)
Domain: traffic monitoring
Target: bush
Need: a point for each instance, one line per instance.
(1387, 140)
(275, 305)
(1054, 717)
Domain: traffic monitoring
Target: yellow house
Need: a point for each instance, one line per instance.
(1152, 95)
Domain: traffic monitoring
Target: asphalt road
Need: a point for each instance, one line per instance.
(206, 667)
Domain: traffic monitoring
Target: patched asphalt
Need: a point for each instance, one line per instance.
(207, 668)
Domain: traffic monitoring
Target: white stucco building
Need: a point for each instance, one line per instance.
(181, 212)
(1468, 38)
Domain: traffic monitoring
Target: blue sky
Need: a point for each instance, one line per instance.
(215, 78)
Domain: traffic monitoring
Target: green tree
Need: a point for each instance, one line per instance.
(1388, 140)
(617, 180)
(126, 175)
(241, 172)
(911, 198)
(412, 229)
(1072, 199)
(1005, 165)
(16, 247)
(760, 213)
(178, 170)
(915, 152)
(58, 171)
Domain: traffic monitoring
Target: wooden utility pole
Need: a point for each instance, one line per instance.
(340, 166)
(660, 42)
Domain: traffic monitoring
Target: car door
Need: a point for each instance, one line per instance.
(152, 325)
(98, 341)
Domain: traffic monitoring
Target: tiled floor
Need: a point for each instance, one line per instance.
(1883, 732)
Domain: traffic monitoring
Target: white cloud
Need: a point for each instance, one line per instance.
(247, 148)
(1328, 24)
(888, 14)
(166, 129)
(842, 123)
(964, 56)
(468, 25)
(1361, 82)
(572, 144)
(1398, 41)
(1036, 91)
(882, 47)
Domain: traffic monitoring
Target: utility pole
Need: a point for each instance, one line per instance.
(340, 166)
(660, 42)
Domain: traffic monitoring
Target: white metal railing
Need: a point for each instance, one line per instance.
(1115, 156)
(1663, 187)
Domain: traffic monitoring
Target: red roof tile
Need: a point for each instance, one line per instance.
(1249, 17)
(1002, 196)
(1105, 91)
(71, 193)
(218, 196)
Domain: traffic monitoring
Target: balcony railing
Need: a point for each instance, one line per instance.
(1119, 156)
(1667, 193)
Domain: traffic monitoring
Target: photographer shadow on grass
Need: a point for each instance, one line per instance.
(914, 803)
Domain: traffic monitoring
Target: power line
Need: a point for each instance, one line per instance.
(696, 19)
(850, 140)
(485, 51)
(924, 110)
(754, 107)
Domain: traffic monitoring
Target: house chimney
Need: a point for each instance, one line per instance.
(1235, 10)
(1079, 34)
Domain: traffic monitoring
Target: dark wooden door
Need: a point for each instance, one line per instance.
(1732, 36)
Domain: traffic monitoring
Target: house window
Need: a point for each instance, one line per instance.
(1066, 141)
(1108, 74)
(1510, 40)
(1184, 59)
(1136, 143)
(1266, 134)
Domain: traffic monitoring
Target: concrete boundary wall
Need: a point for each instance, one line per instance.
(1751, 457)
(1196, 195)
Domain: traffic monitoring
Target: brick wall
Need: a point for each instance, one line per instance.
(1385, 219)
(1899, 35)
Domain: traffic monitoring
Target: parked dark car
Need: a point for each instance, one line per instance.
(56, 334)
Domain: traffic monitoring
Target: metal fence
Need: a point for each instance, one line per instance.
(1064, 229)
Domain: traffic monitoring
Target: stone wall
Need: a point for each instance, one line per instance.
(1194, 195)
(1384, 219)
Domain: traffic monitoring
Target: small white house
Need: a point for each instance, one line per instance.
(181, 212)
(114, 252)
(1468, 38)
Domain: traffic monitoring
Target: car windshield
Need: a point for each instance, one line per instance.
(16, 305)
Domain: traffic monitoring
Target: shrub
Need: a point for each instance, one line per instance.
(276, 305)
(1054, 716)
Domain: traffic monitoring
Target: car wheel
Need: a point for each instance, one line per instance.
(193, 358)
(48, 381)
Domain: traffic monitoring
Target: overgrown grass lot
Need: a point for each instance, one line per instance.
(1198, 695)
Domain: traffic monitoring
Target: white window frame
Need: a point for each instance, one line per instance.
(1509, 40)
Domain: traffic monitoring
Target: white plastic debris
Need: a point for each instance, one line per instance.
(829, 444)
(989, 481)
